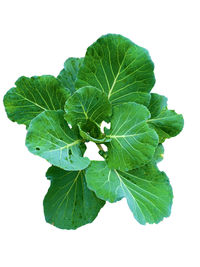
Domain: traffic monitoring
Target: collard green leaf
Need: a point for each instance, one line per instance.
(119, 68)
(158, 155)
(90, 131)
(104, 181)
(88, 103)
(68, 75)
(167, 123)
(31, 96)
(133, 142)
(69, 203)
(157, 104)
(147, 190)
(50, 137)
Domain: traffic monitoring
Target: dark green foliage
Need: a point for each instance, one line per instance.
(111, 83)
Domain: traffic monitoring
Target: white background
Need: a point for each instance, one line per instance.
(36, 38)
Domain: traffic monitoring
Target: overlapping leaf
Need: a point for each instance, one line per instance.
(31, 96)
(167, 123)
(50, 137)
(147, 190)
(69, 203)
(68, 75)
(87, 104)
(119, 68)
(112, 83)
(133, 142)
(158, 155)
(90, 131)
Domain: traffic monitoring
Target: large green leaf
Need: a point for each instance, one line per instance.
(69, 203)
(147, 190)
(88, 103)
(31, 96)
(50, 137)
(167, 123)
(133, 142)
(119, 68)
(68, 75)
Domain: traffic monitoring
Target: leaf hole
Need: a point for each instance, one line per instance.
(105, 124)
(37, 148)
(104, 147)
(91, 146)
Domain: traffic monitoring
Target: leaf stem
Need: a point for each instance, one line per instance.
(100, 147)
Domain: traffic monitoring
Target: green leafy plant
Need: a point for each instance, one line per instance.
(112, 83)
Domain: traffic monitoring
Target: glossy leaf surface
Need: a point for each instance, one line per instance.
(119, 68)
(69, 203)
(167, 123)
(146, 189)
(31, 96)
(68, 75)
(87, 104)
(50, 137)
(133, 142)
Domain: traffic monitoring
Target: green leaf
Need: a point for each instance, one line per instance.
(147, 190)
(88, 103)
(31, 96)
(92, 132)
(68, 75)
(167, 123)
(159, 153)
(133, 142)
(119, 68)
(157, 104)
(69, 203)
(50, 137)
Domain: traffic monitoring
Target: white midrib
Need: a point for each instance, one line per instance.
(68, 145)
(34, 103)
(163, 118)
(85, 113)
(122, 136)
(131, 195)
(67, 193)
(115, 80)
(122, 183)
